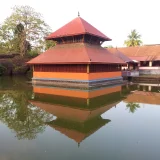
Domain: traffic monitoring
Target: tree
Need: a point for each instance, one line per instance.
(132, 107)
(49, 44)
(27, 27)
(133, 39)
(21, 116)
(23, 44)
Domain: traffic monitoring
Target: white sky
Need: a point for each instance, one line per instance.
(115, 18)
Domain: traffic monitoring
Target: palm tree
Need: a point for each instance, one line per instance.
(133, 39)
(132, 107)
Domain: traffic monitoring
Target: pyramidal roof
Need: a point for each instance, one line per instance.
(85, 54)
(77, 26)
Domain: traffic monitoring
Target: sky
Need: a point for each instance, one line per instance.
(114, 18)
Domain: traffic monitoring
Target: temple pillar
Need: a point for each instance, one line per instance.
(150, 63)
(87, 68)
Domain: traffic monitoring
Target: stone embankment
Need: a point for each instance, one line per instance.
(147, 79)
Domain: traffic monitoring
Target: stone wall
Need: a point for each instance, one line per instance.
(77, 84)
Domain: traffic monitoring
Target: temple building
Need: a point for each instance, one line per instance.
(147, 57)
(77, 60)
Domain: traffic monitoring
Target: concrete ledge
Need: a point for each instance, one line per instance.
(73, 80)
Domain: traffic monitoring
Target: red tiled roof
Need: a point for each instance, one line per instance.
(145, 58)
(77, 53)
(77, 26)
(119, 54)
(141, 53)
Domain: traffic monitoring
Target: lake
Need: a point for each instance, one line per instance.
(45, 122)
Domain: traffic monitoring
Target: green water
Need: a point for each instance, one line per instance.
(50, 126)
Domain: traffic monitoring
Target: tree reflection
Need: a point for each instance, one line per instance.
(22, 117)
(132, 107)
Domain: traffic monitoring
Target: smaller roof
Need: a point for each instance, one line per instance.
(142, 53)
(145, 58)
(77, 26)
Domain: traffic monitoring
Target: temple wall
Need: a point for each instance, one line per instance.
(76, 76)
(102, 75)
(61, 75)
(77, 80)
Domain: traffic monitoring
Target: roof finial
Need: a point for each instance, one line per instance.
(78, 14)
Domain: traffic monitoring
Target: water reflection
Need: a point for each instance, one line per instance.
(50, 121)
(144, 94)
(27, 110)
(17, 113)
(132, 107)
(78, 112)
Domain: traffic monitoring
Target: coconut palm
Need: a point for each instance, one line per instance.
(132, 107)
(133, 39)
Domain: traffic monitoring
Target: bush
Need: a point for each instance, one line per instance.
(32, 53)
(2, 69)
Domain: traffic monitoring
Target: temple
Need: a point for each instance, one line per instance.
(77, 60)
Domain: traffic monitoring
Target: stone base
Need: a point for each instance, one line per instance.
(149, 71)
(77, 83)
(146, 79)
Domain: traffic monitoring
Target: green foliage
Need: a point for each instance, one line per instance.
(134, 39)
(24, 119)
(33, 53)
(23, 29)
(132, 107)
(2, 69)
(49, 44)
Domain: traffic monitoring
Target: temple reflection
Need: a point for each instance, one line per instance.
(146, 94)
(78, 112)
